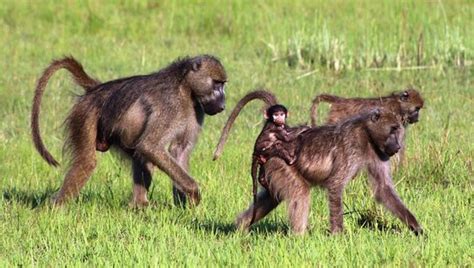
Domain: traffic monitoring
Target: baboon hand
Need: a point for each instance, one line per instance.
(417, 230)
(194, 197)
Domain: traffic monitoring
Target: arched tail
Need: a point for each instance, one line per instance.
(263, 95)
(80, 77)
(316, 101)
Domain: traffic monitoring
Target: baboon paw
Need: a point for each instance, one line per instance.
(194, 198)
(138, 204)
(57, 200)
(242, 224)
(337, 230)
(417, 230)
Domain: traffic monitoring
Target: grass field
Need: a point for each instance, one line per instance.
(295, 48)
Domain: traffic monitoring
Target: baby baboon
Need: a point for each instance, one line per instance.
(274, 135)
(406, 103)
(154, 118)
(331, 156)
(275, 140)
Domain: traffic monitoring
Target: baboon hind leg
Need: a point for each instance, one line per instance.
(264, 205)
(298, 211)
(141, 182)
(82, 139)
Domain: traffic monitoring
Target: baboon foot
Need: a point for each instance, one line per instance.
(337, 230)
(242, 223)
(139, 203)
(57, 200)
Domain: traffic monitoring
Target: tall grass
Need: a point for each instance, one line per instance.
(297, 49)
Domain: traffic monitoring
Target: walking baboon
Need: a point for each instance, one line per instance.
(406, 103)
(270, 100)
(330, 156)
(155, 119)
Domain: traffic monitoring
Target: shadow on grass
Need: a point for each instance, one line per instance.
(221, 228)
(371, 220)
(28, 198)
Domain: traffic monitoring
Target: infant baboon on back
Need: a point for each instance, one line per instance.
(331, 156)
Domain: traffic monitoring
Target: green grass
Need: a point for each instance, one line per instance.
(297, 49)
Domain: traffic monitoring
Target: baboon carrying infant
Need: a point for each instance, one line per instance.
(155, 119)
(330, 156)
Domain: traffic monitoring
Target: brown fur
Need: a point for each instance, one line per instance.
(262, 94)
(268, 137)
(331, 156)
(142, 116)
(406, 103)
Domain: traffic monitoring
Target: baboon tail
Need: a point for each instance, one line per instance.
(316, 101)
(263, 95)
(80, 77)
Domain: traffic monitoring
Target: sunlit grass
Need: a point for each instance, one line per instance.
(298, 49)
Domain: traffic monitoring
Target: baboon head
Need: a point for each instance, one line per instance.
(207, 79)
(385, 130)
(411, 102)
(276, 114)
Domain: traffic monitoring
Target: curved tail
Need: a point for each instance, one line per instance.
(80, 77)
(316, 101)
(263, 95)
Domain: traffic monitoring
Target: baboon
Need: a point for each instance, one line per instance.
(155, 119)
(275, 139)
(330, 156)
(406, 103)
(266, 137)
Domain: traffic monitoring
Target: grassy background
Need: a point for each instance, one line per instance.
(296, 48)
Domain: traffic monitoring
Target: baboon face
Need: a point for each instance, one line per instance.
(385, 130)
(411, 103)
(277, 114)
(207, 79)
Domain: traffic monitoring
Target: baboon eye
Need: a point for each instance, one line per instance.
(394, 128)
(417, 109)
(218, 82)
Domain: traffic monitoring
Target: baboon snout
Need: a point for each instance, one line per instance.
(392, 149)
(413, 117)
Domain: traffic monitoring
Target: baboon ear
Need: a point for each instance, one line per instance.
(265, 115)
(287, 114)
(404, 96)
(375, 115)
(196, 65)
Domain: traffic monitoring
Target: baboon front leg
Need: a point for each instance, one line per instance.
(82, 136)
(336, 219)
(181, 153)
(141, 182)
(385, 193)
(265, 204)
(181, 179)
